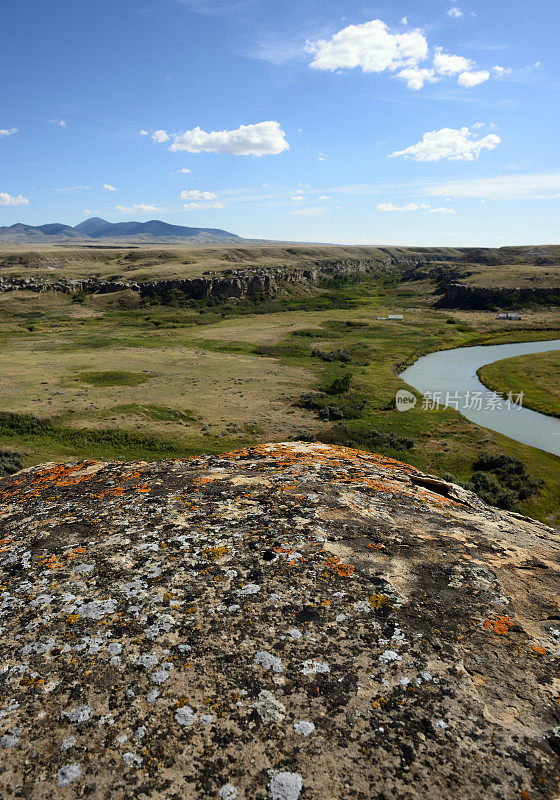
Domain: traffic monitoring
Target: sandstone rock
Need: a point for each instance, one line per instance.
(289, 621)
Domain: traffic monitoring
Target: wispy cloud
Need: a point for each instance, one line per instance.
(72, 189)
(532, 186)
(423, 207)
(311, 211)
(7, 132)
(140, 208)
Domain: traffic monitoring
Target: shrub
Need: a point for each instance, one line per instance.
(334, 355)
(502, 480)
(327, 409)
(370, 438)
(340, 385)
(11, 461)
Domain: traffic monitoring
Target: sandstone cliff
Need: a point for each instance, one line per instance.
(290, 621)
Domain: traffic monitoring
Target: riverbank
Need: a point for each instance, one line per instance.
(537, 376)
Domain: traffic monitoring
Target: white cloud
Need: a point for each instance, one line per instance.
(447, 64)
(404, 20)
(454, 12)
(159, 137)
(183, 171)
(498, 70)
(470, 79)
(143, 132)
(324, 197)
(259, 139)
(142, 208)
(532, 186)
(60, 122)
(321, 157)
(451, 143)
(11, 200)
(478, 125)
(72, 189)
(373, 48)
(424, 207)
(370, 46)
(387, 207)
(90, 211)
(109, 188)
(196, 205)
(196, 194)
(416, 77)
(297, 198)
(7, 132)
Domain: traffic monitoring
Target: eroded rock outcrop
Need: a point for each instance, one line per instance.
(460, 295)
(290, 621)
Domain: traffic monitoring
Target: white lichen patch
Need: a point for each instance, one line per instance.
(268, 661)
(67, 743)
(185, 716)
(228, 792)
(304, 728)
(250, 588)
(68, 774)
(285, 786)
(311, 667)
(389, 656)
(78, 714)
(270, 710)
(132, 760)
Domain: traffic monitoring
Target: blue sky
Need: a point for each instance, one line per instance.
(431, 122)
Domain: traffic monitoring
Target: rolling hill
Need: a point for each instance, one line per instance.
(97, 229)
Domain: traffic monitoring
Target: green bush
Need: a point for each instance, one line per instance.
(340, 385)
(11, 461)
(328, 409)
(502, 480)
(369, 439)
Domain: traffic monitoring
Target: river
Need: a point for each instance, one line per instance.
(450, 377)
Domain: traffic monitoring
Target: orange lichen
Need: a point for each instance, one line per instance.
(540, 650)
(500, 625)
(342, 570)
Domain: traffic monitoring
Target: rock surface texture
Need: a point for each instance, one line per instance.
(288, 621)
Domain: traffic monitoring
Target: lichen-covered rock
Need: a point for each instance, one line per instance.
(292, 621)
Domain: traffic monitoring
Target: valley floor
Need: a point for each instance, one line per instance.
(94, 379)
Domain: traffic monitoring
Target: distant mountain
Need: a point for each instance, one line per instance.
(97, 229)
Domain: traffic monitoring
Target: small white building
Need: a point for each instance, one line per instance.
(509, 315)
(396, 317)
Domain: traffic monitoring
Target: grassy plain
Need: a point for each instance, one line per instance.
(537, 376)
(149, 262)
(112, 379)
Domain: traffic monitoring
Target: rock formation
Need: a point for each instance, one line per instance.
(460, 295)
(288, 621)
